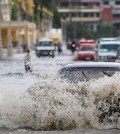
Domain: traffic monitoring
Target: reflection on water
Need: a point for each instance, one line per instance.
(63, 106)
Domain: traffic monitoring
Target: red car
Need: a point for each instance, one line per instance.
(86, 50)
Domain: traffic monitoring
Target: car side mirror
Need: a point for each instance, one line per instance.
(96, 50)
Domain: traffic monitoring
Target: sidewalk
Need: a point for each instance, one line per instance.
(15, 54)
(5, 53)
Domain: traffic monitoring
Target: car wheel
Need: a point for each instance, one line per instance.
(53, 55)
(38, 55)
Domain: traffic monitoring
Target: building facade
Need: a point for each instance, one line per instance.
(110, 13)
(5, 10)
(47, 22)
(81, 11)
(17, 28)
(26, 6)
(24, 29)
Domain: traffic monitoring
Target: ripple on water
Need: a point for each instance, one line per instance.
(62, 106)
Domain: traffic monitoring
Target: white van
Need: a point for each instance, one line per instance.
(107, 49)
(45, 47)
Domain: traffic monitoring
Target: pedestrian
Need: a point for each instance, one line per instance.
(27, 62)
(59, 48)
(73, 46)
(24, 46)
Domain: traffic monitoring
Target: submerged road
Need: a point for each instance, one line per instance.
(15, 82)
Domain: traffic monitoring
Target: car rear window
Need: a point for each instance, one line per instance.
(45, 43)
(86, 74)
(109, 47)
(87, 48)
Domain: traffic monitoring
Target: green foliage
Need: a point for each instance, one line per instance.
(77, 31)
(14, 12)
(50, 5)
(82, 31)
(14, 1)
(106, 31)
(44, 3)
(14, 43)
(56, 20)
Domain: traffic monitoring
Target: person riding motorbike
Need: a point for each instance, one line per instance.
(73, 46)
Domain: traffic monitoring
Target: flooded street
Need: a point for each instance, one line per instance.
(59, 66)
(40, 103)
(3, 131)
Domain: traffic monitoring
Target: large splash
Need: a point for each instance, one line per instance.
(57, 105)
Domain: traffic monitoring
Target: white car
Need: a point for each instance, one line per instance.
(107, 49)
(45, 47)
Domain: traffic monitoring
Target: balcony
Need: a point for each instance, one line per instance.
(78, 9)
(83, 19)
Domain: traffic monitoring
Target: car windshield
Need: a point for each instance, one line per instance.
(109, 47)
(45, 43)
(86, 48)
(86, 74)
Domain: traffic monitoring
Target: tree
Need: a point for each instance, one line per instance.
(106, 30)
(14, 12)
(78, 31)
(56, 20)
(52, 6)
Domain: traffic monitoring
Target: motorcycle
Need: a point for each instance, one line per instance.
(73, 48)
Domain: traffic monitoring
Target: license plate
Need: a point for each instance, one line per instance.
(87, 58)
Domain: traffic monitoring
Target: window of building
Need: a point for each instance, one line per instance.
(98, 27)
(85, 15)
(74, 4)
(97, 4)
(64, 4)
(97, 14)
(85, 4)
(117, 2)
(91, 27)
(79, 14)
(116, 15)
(105, 14)
(91, 14)
(106, 3)
(65, 14)
(73, 14)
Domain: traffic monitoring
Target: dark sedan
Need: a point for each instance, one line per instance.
(78, 72)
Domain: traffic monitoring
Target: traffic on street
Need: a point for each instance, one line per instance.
(59, 67)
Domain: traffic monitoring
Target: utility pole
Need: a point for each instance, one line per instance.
(32, 39)
(10, 47)
(38, 14)
(43, 17)
(1, 49)
(65, 31)
(70, 14)
(19, 48)
(26, 25)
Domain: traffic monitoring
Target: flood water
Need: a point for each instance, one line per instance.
(48, 105)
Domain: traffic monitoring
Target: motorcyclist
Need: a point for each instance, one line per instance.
(73, 46)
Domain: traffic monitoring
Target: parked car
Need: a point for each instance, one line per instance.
(45, 47)
(85, 71)
(118, 55)
(107, 49)
(86, 50)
